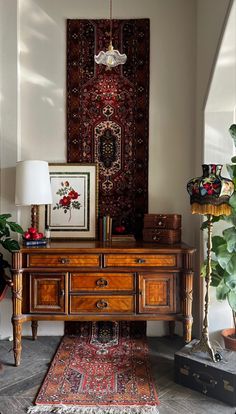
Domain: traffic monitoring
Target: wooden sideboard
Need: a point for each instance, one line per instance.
(90, 280)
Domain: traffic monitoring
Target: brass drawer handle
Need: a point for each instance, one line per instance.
(63, 260)
(102, 304)
(102, 282)
(140, 261)
(159, 223)
(156, 238)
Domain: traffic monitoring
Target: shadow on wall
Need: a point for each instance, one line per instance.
(42, 96)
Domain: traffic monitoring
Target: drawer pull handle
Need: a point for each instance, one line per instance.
(102, 282)
(156, 238)
(63, 260)
(140, 261)
(62, 292)
(102, 304)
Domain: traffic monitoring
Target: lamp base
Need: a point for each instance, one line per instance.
(204, 346)
(35, 216)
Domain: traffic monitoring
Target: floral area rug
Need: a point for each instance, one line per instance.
(104, 370)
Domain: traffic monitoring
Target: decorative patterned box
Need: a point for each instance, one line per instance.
(162, 228)
(197, 371)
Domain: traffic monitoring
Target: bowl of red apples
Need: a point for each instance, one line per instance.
(33, 234)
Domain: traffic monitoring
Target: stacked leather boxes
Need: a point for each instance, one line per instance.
(162, 228)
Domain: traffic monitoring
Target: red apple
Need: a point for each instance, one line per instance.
(35, 236)
(32, 230)
(40, 235)
(27, 235)
(120, 229)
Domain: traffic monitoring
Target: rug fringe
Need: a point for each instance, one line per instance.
(64, 409)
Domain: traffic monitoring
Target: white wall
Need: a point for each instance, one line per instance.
(174, 45)
(218, 144)
(172, 79)
(211, 15)
(8, 127)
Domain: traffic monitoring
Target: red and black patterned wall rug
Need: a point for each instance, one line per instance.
(108, 114)
(103, 370)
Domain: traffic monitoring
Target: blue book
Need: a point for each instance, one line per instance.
(40, 242)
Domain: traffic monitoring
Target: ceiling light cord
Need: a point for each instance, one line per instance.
(111, 21)
(111, 57)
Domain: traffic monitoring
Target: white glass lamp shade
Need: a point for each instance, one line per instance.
(110, 58)
(32, 183)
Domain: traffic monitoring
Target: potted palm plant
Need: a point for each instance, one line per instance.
(6, 228)
(223, 276)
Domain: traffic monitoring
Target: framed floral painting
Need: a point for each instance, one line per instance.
(73, 212)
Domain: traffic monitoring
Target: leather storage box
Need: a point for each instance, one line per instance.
(198, 372)
(162, 228)
(162, 221)
(165, 236)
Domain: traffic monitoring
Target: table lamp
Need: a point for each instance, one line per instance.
(33, 187)
(209, 195)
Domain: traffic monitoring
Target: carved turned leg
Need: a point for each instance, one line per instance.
(187, 306)
(17, 306)
(17, 331)
(34, 327)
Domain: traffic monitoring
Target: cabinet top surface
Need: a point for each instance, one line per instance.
(89, 246)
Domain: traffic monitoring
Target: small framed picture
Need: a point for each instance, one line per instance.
(73, 212)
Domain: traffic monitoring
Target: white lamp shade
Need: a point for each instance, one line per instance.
(32, 183)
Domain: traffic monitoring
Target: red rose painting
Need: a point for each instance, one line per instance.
(68, 199)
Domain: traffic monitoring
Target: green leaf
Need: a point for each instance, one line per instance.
(231, 265)
(10, 244)
(217, 275)
(4, 232)
(233, 159)
(216, 242)
(222, 255)
(230, 281)
(232, 131)
(232, 300)
(222, 291)
(4, 216)
(232, 201)
(3, 224)
(7, 232)
(15, 227)
(230, 237)
(231, 168)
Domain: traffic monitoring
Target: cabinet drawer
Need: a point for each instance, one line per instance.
(60, 260)
(139, 260)
(102, 304)
(102, 282)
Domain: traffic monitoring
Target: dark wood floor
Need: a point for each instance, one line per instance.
(19, 386)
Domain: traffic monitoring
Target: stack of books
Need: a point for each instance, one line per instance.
(105, 228)
(38, 242)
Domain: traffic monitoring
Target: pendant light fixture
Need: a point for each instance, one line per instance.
(111, 57)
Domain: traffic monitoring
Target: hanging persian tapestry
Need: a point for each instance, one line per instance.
(108, 114)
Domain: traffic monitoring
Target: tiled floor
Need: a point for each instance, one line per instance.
(19, 386)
